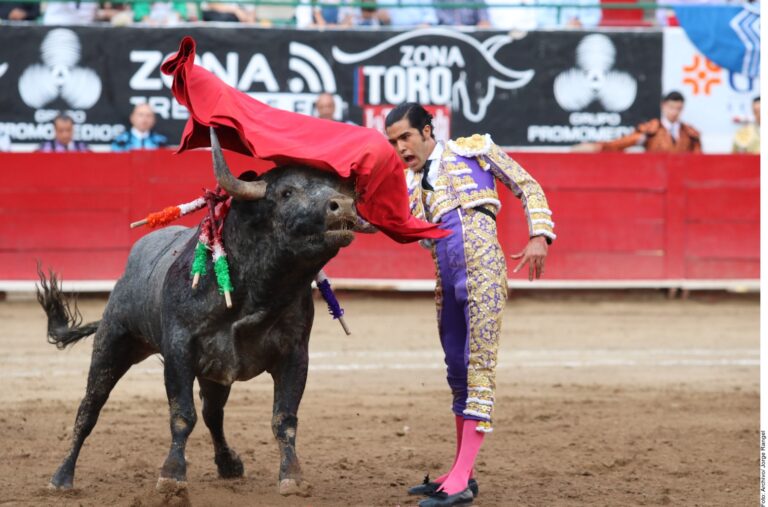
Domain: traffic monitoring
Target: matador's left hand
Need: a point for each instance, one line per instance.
(533, 254)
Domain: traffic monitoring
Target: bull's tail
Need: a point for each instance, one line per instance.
(64, 319)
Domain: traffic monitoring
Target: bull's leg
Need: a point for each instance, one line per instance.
(179, 380)
(214, 398)
(113, 354)
(290, 377)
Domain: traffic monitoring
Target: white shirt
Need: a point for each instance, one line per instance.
(304, 18)
(672, 128)
(163, 13)
(512, 18)
(139, 135)
(70, 13)
(436, 154)
(589, 14)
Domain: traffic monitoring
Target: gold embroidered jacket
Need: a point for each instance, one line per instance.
(466, 177)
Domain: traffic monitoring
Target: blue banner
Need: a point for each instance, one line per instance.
(727, 35)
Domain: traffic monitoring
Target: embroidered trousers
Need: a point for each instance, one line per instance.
(471, 294)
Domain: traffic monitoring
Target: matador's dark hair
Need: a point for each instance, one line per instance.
(418, 117)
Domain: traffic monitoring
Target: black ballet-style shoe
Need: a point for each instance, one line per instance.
(427, 488)
(443, 499)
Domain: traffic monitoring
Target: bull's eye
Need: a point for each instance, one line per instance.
(287, 193)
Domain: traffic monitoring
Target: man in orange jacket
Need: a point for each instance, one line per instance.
(666, 134)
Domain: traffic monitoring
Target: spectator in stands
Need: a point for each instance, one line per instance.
(363, 16)
(13, 11)
(422, 15)
(5, 141)
(276, 15)
(336, 14)
(666, 134)
(63, 137)
(116, 13)
(586, 16)
(325, 106)
(304, 15)
(747, 138)
(164, 13)
(70, 13)
(513, 18)
(463, 16)
(327, 15)
(140, 136)
(234, 13)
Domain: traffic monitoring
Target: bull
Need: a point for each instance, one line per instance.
(280, 231)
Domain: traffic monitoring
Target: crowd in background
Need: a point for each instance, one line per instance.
(496, 14)
(531, 14)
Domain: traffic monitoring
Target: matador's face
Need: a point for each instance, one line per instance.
(414, 147)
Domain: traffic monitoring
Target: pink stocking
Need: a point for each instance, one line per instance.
(471, 441)
(459, 431)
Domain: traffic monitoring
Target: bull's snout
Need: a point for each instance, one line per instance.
(341, 218)
(341, 207)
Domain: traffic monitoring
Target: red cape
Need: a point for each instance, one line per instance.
(250, 127)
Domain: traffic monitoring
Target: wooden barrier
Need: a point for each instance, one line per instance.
(622, 219)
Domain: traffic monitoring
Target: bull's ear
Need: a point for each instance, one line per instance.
(249, 176)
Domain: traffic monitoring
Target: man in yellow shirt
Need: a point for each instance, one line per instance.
(747, 138)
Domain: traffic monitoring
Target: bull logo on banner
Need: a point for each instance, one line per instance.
(436, 66)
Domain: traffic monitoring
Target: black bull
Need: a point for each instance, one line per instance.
(280, 231)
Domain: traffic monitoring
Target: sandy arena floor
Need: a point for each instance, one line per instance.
(611, 401)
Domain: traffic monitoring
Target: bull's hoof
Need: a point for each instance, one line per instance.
(229, 464)
(60, 487)
(60, 481)
(168, 486)
(293, 487)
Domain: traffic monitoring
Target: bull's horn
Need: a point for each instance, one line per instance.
(238, 189)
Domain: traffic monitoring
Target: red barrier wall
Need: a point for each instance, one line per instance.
(618, 216)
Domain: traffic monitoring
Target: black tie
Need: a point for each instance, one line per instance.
(424, 182)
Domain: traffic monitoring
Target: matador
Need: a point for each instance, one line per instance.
(453, 184)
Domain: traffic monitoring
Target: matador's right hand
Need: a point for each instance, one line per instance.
(533, 254)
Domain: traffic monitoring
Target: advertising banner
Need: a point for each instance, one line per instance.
(543, 89)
